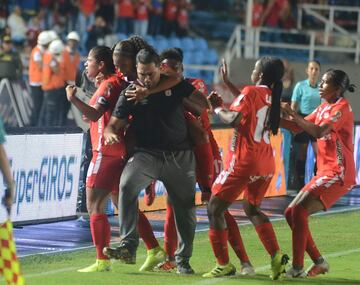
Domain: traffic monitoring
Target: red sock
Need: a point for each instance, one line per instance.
(100, 231)
(234, 237)
(311, 247)
(300, 234)
(146, 232)
(170, 233)
(218, 240)
(268, 238)
(204, 164)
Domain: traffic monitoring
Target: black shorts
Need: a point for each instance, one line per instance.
(303, 137)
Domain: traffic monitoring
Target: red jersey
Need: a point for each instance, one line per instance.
(125, 8)
(252, 152)
(200, 85)
(106, 95)
(141, 10)
(335, 150)
(171, 9)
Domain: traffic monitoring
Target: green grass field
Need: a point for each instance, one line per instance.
(337, 236)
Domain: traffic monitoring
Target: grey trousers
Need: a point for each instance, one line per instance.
(177, 171)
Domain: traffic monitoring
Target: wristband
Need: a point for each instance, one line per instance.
(217, 110)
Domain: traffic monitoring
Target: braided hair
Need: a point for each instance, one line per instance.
(272, 70)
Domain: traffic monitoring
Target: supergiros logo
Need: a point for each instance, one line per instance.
(52, 180)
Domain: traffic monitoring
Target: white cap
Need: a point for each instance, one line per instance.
(56, 47)
(44, 38)
(73, 36)
(53, 35)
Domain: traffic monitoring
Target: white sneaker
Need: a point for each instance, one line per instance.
(247, 269)
(317, 269)
(295, 273)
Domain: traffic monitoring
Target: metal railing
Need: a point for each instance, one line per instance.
(326, 15)
(247, 42)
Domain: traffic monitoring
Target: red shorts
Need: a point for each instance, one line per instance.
(229, 185)
(327, 188)
(104, 172)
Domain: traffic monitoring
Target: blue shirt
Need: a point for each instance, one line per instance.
(307, 97)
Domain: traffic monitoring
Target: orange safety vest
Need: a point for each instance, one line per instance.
(50, 79)
(35, 72)
(70, 63)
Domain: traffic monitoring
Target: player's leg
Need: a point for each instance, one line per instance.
(225, 190)
(252, 199)
(203, 152)
(178, 176)
(139, 171)
(170, 239)
(99, 226)
(319, 194)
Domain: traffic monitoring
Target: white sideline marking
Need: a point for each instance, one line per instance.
(204, 282)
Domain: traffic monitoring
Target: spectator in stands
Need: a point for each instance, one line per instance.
(257, 12)
(305, 99)
(141, 23)
(34, 28)
(71, 61)
(97, 33)
(17, 25)
(155, 20)
(25, 57)
(35, 75)
(274, 12)
(10, 62)
(71, 57)
(288, 81)
(46, 8)
(125, 17)
(106, 10)
(170, 17)
(86, 17)
(183, 18)
(3, 15)
(53, 85)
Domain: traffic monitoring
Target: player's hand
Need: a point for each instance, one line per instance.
(8, 198)
(215, 100)
(224, 71)
(138, 93)
(70, 92)
(98, 79)
(286, 109)
(111, 138)
(85, 119)
(205, 197)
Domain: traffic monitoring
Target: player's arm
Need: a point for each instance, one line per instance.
(290, 125)
(224, 74)
(309, 127)
(113, 128)
(118, 120)
(226, 116)
(9, 181)
(92, 113)
(139, 93)
(196, 103)
(295, 106)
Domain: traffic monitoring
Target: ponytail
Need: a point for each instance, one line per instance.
(272, 72)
